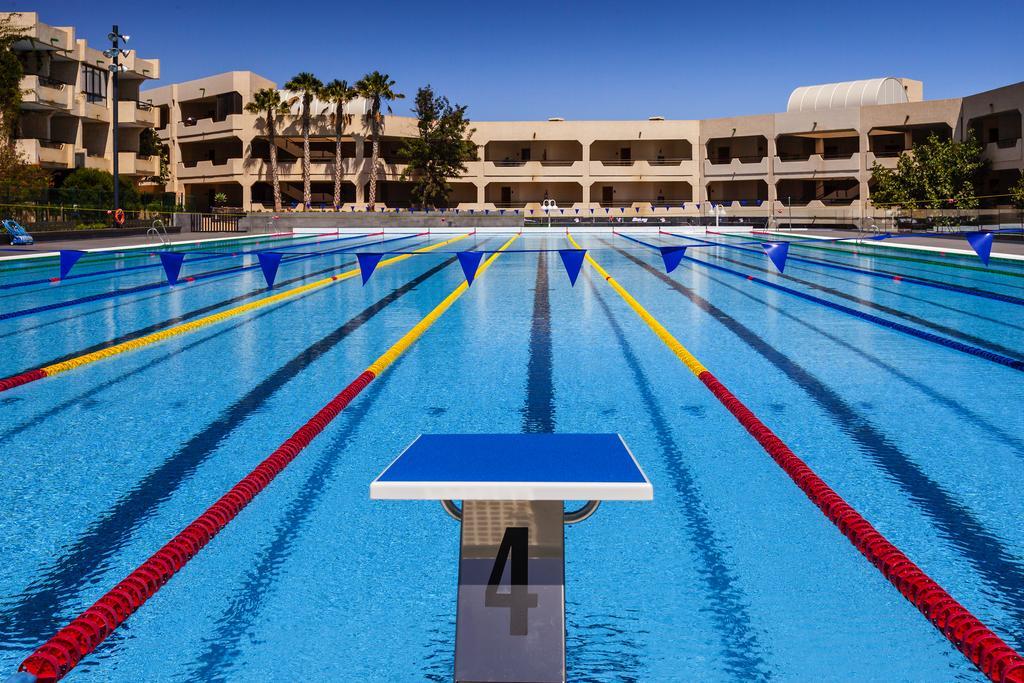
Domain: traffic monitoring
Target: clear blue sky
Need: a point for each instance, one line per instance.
(598, 60)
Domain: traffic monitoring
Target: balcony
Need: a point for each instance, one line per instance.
(147, 165)
(91, 108)
(641, 168)
(98, 162)
(46, 153)
(132, 114)
(42, 93)
(197, 170)
(1005, 150)
(816, 163)
(546, 168)
(229, 125)
(884, 159)
(736, 167)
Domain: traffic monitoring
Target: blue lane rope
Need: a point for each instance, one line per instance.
(899, 327)
(157, 285)
(985, 294)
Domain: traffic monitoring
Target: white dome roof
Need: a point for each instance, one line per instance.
(847, 94)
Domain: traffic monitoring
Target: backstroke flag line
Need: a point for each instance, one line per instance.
(172, 265)
(572, 259)
(672, 256)
(68, 259)
(269, 262)
(777, 252)
(470, 261)
(367, 262)
(981, 243)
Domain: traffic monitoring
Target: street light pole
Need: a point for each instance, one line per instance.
(115, 53)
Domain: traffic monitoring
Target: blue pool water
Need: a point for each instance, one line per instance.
(730, 573)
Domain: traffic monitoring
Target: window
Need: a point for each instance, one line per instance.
(94, 83)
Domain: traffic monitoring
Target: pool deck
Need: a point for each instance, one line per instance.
(42, 249)
(1012, 249)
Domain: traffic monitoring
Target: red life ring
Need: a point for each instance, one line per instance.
(119, 216)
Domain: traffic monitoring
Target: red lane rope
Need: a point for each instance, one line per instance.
(24, 378)
(55, 658)
(967, 633)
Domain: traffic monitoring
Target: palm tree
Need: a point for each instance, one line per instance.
(339, 94)
(268, 102)
(377, 88)
(307, 86)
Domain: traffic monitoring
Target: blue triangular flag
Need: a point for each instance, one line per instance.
(172, 265)
(576, 210)
(572, 259)
(777, 252)
(470, 261)
(269, 262)
(68, 259)
(672, 256)
(367, 262)
(981, 243)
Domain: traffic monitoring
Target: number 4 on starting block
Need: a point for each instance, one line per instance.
(510, 622)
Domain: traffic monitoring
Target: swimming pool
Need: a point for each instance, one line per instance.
(730, 573)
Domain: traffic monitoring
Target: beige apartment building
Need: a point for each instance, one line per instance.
(814, 159)
(66, 113)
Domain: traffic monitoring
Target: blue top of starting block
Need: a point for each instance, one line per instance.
(514, 467)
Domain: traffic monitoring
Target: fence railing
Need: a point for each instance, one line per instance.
(218, 222)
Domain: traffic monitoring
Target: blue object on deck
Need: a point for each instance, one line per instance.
(514, 467)
(17, 234)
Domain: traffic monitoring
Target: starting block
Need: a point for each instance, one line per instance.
(510, 620)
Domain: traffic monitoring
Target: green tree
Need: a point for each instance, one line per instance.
(441, 150)
(1017, 192)
(268, 103)
(11, 73)
(306, 86)
(94, 188)
(941, 173)
(1017, 195)
(339, 94)
(378, 90)
(20, 181)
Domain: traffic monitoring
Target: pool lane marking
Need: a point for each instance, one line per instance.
(999, 358)
(164, 284)
(8, 383)
(967, 633)
(911, 279)
(205, 256)
(55, 658)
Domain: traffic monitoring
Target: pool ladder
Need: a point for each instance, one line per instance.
(164, 239)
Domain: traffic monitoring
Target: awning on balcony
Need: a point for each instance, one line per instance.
(847, 94)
